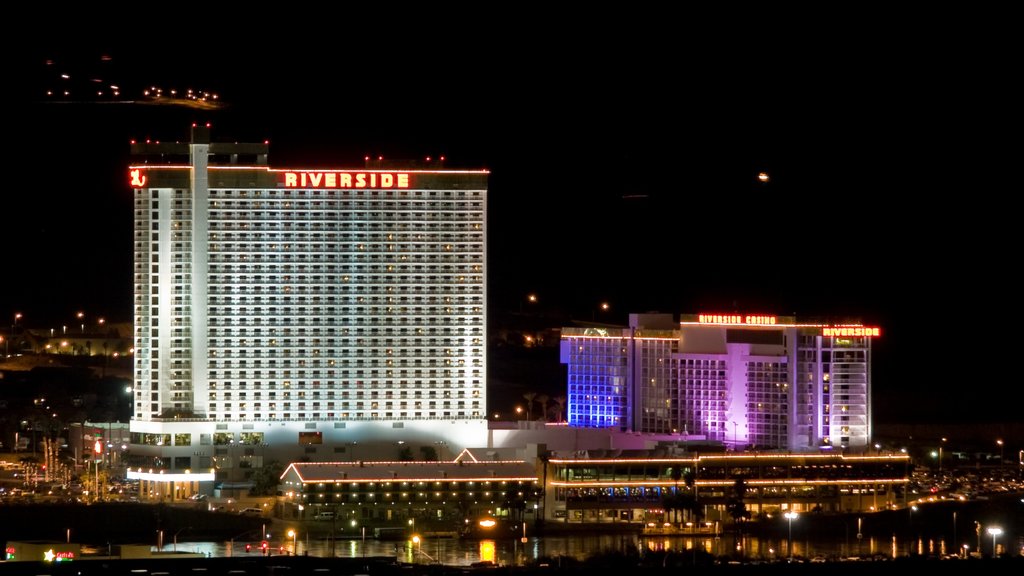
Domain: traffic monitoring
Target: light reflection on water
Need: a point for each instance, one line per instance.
(462, 552)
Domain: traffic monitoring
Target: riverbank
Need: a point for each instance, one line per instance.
(121, 523)
(652, 564)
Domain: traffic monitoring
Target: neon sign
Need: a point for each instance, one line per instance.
(736, 319)
(345, 180)
(138, 178)
(51, 556)
(858, 331)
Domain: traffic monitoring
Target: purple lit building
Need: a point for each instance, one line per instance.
(749, 381)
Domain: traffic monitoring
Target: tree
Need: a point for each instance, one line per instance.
(266, 479)
(696, 510)
(735, 506)
(542, 399)
(405, 454)
(529, 396)
(429, 453)
(560, 401)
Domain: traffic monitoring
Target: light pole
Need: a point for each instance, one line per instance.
(1000, 443)
(994, 531)
(943, 443)
(790, 516)
(176, 536)
(293, 535)
(7, 342)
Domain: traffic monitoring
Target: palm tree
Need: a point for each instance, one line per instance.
(543, 400)
(690, 478)
(677, 475)
(529, 404)
(560, 400)
(735, 505)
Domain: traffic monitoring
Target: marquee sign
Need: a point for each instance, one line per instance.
(756, 320)
(852, 331)
(316, 179)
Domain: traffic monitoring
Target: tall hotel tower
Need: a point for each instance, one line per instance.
(303, 314)
(748, 381)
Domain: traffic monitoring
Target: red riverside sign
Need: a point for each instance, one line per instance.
(346, 180)
(858, 331)
(736, 319)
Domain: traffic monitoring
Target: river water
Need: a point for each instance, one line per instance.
(506, 552)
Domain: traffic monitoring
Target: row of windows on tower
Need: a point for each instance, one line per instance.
(300, 193)
(363, 299)
(304, 231)
(459, 245)
(342, 394)
(328, 217)
(154, 411)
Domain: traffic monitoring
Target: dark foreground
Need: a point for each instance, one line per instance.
(301, 566)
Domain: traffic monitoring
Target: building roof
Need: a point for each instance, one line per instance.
(413, 471)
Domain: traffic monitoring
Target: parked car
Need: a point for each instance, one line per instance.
(324, 515)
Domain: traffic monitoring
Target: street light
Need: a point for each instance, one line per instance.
(176, 536)
(1000, 443)
(940, 454)
(994, 531)
(7, 342)
(790, 516)
(292, 534)
(416, 541)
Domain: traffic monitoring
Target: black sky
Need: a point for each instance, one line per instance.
(881, 147)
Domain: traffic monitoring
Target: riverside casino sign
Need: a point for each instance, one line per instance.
(325, 179)
(753, 319)
(852, 331)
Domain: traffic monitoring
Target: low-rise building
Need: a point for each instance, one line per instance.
(401, 493)
(635, 488)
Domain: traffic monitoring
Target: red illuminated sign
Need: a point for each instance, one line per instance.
(736, 319)
(138, 178)
(856, 332)
(345, 180)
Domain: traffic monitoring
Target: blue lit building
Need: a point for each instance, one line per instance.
(749, 381)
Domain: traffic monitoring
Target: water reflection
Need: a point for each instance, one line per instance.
(461, 552)
(487, 551)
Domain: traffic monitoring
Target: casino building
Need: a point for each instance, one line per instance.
(748, 381)
(302, 314)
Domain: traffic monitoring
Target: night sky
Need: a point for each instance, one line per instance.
(624, 169)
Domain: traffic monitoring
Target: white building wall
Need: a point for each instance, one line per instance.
(356, 314)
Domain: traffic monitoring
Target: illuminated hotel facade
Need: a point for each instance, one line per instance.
(302, 314)
(634, 489)
(748, 381)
